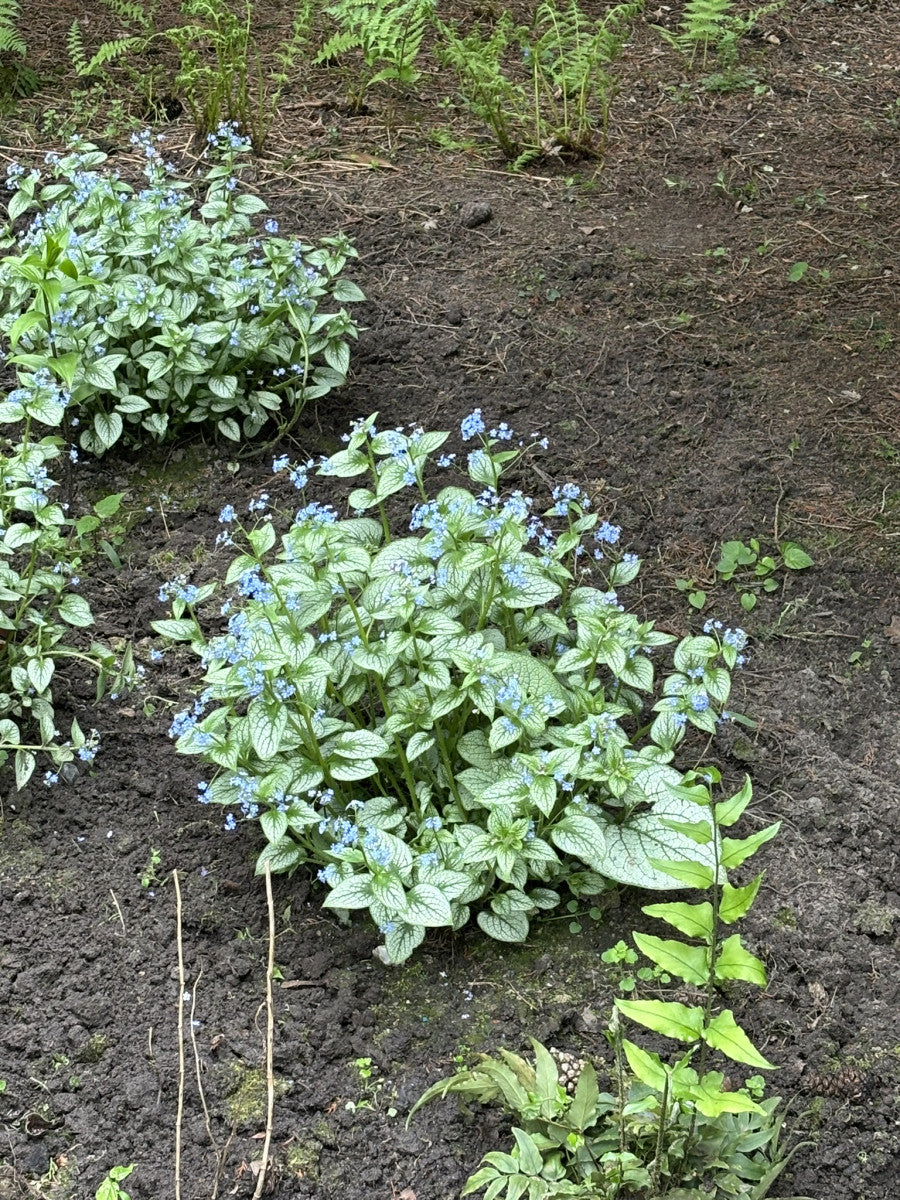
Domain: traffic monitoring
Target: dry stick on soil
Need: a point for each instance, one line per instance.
(270, 1040)
(119, 911)
(180, 1109)
(220, 1154)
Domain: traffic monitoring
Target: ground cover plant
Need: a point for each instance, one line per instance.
(162, 1006)
(156, 319)
(42, 553)
(449, 718)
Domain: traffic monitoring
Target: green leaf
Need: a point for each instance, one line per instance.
(693, 874)
(420, 743)
(734, 962)
(107, 428)
(223, 386)
(723, 1033)
(402, 940)
(530, 1159)
(713, 1102)
(582, 837)
(795, 556)
(546, 1074)
(267, 724)
(647, 1067)
(735, 902)
(693, 920)
(666, 1017)
(274, 824)
(157, 364)
(229, 428)
(357, 744)
(352, 770)
(183, 630)
(109, 505)
(738, 850)
(510, 927)
(346, 292)
(247, 205)
(25, 763)
(75, 610)
(280, 856)
(40, 672)
(690, 963)
(426, 905)
(101, 373)
(797, 271)
(262, 539)
(354, 892)
(642, 850)
(583, 1109)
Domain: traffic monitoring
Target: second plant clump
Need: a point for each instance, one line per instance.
(149, 318)
(451, 716)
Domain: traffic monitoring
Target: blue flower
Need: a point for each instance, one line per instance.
(514, 575)
(608, 533)
(472, 425)
(271, 225)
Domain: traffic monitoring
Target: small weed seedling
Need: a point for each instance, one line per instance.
(621, 958)
(148, 875)
(751, 571)
(109, 1189)
(371, 1087)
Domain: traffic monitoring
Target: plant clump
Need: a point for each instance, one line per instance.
(457, 716)
(148, 319)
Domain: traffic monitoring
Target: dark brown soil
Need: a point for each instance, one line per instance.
(641, 316)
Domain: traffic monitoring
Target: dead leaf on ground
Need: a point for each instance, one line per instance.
(892, 631)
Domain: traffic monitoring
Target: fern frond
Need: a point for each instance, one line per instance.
(704, 23)
(107, 53)
(11, 40)
(134, 13)
(386, 31)
(75, 46)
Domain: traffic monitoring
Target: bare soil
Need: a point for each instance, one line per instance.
(639, 313)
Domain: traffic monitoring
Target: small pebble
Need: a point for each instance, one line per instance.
(475, 213)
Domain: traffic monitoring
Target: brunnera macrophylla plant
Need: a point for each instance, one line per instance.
(154, 317)
(447, 716)
(41, 554)
(656, 1127)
